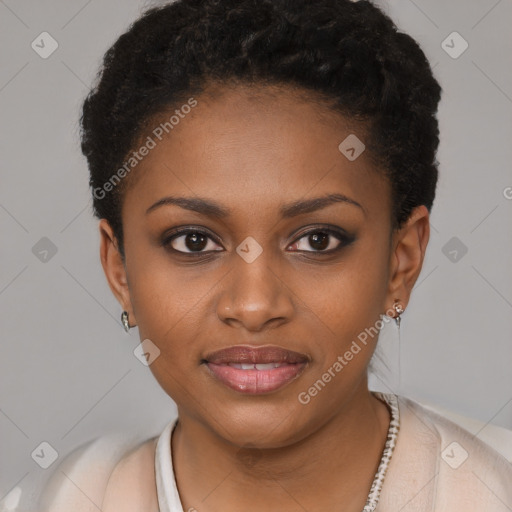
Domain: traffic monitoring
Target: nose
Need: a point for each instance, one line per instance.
(255, 296)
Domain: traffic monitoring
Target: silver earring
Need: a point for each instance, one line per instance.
(399, 310)
(124, 321)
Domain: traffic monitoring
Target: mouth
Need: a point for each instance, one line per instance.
(255, 370)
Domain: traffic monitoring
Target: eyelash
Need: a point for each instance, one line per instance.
(342, 237)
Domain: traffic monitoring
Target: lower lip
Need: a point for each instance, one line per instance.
(255, 381)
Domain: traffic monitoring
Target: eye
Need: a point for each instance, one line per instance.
(194, 241)
(190, 241)
(322, 240)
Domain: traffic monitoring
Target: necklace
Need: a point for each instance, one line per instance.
(394, 427)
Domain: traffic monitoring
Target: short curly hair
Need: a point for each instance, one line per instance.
(349, 53)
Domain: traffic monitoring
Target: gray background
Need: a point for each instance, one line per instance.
(68, 372)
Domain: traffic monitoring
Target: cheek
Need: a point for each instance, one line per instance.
(346, 298)
(163, 293)
(344, 332)
(168, 314)
(172, 305)
(347, 309)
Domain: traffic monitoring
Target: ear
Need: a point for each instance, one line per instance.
(408, 248)
(114, 268)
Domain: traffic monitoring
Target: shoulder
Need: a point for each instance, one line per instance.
(90, 475)
(454, 440)
(439, 463)
(132, 487)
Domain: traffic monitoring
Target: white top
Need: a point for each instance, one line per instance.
(167, 490)
(168, 496)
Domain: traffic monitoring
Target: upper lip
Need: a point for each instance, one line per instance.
(255, 355)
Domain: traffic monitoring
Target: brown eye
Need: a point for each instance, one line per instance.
(321, 240)
(190, 241)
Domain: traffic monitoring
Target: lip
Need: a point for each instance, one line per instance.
(288, 366)
(261, 355)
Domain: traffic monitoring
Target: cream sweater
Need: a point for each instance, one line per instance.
(436, 466)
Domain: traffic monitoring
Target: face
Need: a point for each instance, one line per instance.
(278, 240)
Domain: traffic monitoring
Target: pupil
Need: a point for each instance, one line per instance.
(319, 240)
(195, 241)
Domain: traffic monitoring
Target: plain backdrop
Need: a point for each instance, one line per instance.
(68, 372)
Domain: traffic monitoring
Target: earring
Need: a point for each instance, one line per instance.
(124, 321)
(399, 310)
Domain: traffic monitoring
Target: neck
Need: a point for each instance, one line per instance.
(339, 459)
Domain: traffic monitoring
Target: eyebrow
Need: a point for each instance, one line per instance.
(211, 208)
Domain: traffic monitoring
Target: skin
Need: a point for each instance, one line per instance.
(252, 150)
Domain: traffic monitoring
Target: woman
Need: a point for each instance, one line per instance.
(263, 172)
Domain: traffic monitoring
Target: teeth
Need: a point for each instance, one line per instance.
(268, 366)
(251, 366)
(242, 366)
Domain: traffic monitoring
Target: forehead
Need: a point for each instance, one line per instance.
(255, 147)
